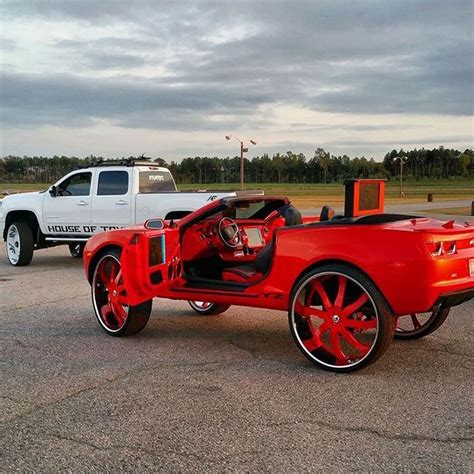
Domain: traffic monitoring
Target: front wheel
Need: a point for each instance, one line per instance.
(20, 244)
(208, 309)
(339, 319)
(76, 249)
(109, 297)
(418, 325)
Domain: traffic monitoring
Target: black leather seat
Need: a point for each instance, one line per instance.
(246, 273)
(327, 214)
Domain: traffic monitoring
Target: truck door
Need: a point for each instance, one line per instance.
(111, 204)
(68, 211)
(151, 264)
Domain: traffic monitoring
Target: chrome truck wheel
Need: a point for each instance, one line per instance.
(20, 244)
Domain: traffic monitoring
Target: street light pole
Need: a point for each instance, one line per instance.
(402, 162)
(241, 165)
(242, 151)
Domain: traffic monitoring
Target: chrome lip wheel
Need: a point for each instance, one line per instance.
(412, 323)
(109, 294)
(335, 320)
(200, 305)
(418, 325)
(13, 244)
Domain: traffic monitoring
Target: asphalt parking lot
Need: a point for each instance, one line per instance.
(219, 393)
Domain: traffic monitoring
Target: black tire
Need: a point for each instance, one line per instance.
(76, 249)
(208, 309)
(352, 311)
(115, 318)
(20, 244)
(419, 328)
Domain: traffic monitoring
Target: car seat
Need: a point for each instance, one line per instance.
(254, 272)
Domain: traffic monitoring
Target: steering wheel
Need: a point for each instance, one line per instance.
(229, 232)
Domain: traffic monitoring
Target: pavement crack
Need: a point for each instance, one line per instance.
(377, 432)
(111, 380)
(75, 440)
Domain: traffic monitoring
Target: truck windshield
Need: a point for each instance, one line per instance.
(155, 182)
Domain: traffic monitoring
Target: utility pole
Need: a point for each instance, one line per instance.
(402, 162)
(242, 151)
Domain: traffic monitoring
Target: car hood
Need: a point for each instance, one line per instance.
(20, 197)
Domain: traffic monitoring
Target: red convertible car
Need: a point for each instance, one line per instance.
(349, 282)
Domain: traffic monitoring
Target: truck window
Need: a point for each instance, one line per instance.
(155, 182)
(112, 183)
(78, 184)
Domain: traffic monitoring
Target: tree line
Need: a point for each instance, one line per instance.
(322, 167)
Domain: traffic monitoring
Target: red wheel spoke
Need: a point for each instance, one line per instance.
(299, 308)
(415, 321)
(119, 312)
(310, 312)
(317, 285)
(106, 312)
(114, 270)
(311, 344)
(318, 313)
(353, 307)
(341, 292)
(122, 299)
(336, 346)
(316, 342)
(361, 347)
(118, 277)
(358, 324)
(102, 275)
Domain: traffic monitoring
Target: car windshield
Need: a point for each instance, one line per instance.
(252, 210)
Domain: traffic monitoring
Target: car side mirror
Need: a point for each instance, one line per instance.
(53, 191)
(155, 224)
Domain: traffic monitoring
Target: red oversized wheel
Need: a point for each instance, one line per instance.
(339, 319)
(418, 325)
(109, 298)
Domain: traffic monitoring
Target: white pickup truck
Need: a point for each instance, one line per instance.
(90, 200)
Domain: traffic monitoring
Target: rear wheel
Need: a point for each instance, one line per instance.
(76, 249)
(339, 319)
(109, 297)
(20, 244)
(208, 309)
(418, 325)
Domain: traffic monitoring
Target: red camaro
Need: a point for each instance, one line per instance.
(349, 283)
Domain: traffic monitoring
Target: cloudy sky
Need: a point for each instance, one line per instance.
(171, 78)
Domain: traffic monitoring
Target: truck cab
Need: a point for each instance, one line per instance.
(86, 201)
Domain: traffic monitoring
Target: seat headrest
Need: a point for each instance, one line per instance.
(327, 213)
(293, 216)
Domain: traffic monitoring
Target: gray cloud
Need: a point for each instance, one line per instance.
(227, 58)
(66, 100)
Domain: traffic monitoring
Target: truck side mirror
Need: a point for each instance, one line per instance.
(53, 191)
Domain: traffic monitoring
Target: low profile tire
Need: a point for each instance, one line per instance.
(208, 309)
(109, 298)
(418, 325)
(76, 249)
(20, 244)
(339, 319)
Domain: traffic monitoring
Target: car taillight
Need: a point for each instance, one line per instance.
(439, 248)
(435, 248)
